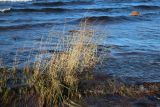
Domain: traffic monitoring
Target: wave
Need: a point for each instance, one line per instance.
(147, 7)
(111, 19)
(5, 10)
(34, 10)
(94, 19)
(24, 26)
(105, 9)
(97, 9)
(15, 0)
(49, 3)
(58, 9)
(151, 14)
(59, 3)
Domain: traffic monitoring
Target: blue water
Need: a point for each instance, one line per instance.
(134, 41)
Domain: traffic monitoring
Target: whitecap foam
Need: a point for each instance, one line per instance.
(5, 10)
(15, 0)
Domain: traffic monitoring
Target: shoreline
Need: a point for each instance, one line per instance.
(98, 90)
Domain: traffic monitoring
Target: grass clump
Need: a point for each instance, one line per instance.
(56, 79)
(59, 78)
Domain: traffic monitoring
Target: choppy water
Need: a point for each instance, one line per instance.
(134, 41)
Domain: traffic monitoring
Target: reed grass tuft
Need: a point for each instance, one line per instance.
(56, 79)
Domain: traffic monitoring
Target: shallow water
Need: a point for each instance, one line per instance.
(134, 41)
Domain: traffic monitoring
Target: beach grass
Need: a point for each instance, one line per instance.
(56, 79)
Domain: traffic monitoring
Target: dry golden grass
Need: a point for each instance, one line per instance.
(56, 79)
(61, 71)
